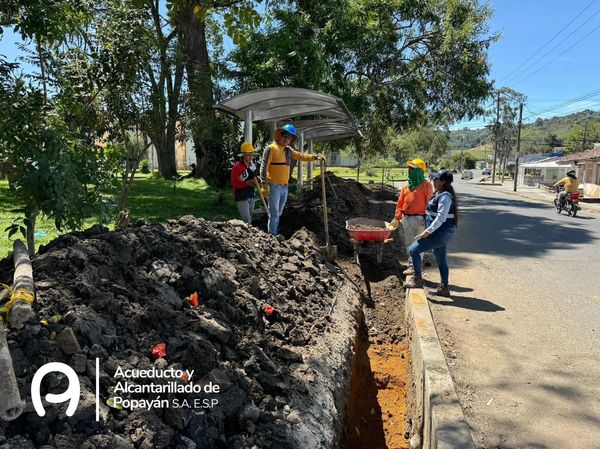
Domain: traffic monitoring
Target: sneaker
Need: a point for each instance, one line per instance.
(414, 282)
(408, 272)
(441, 291)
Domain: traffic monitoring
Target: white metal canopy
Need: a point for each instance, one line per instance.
(284, 102)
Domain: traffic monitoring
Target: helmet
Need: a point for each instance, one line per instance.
(247, 149)
(417, 163)
(571, 174)
(290, 129)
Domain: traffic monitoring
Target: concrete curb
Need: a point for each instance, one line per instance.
(440, 416)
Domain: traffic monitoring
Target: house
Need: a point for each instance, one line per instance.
(587, 166)
(546, 172)
(184, 155)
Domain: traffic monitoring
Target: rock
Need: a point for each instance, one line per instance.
(67, 342)
(214, 328)
(86, 409)
(79, 363)
(216, 281)
(109, 441)
(217, 377)
(272, 384)
(250, 412)
(288, 354)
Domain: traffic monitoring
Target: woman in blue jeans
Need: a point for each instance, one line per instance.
(440, 221)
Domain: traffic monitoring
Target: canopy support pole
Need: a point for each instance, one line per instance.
(248, 126)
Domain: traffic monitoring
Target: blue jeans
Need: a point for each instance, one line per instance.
(278, 194)
(246, 209)
(438, 242)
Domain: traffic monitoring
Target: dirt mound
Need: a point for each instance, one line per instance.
(265, 317)
(346, 199)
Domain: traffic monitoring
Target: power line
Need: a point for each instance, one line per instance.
(546, 44)
(560, 54)
(568, 102)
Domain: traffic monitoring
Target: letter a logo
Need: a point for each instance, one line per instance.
(71, 394)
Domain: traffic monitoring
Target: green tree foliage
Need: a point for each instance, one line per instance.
(426, 143)
(49, 169)
(581, 137)
(395, 63)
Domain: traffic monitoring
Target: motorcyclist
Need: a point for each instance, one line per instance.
(570, 183)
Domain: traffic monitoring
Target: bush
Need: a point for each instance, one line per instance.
(371, 172)
(145, 166)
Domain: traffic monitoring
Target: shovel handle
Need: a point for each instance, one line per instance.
(324, 195)
(263, 198)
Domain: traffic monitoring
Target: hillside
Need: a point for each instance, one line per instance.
(536, 136)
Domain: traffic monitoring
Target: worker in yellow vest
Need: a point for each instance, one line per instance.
(275, 169)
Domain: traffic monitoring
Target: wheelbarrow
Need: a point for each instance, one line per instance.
(364, 232)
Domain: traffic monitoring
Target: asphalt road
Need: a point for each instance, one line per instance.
(521, 332)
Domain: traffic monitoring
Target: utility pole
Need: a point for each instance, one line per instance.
(584, 141)
(518, 146)
(496, 129)
(462, 146)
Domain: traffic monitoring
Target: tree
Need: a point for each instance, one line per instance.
(581, 137)
(426, 143)
(193, 21)
(395, 63)
(552, 141)
(49, 169)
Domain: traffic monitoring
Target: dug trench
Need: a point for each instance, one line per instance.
(305, 353)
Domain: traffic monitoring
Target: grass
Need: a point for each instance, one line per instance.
(152, 199)
(157, 200)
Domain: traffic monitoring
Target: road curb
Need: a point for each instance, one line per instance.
(438, 414)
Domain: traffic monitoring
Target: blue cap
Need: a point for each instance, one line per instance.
(290, 129)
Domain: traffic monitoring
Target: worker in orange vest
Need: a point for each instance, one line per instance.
(412, 201)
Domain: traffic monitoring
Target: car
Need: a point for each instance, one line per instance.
(486, 172)
(466, 174)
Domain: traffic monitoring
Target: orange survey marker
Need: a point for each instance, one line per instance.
(159, 350)
(194, 300)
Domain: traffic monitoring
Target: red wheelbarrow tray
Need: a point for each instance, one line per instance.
(362, 235)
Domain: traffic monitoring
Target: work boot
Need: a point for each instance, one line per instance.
(414, 282)
(408, 272)
(442, 291)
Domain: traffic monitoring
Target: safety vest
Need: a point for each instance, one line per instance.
(432, 208)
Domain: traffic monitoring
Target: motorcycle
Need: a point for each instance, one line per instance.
(570, 204)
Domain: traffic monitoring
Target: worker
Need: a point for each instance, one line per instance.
(412, 202)
(243, 180)
(275, 170)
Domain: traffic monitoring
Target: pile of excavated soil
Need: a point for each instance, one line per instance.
(113, 296)
(346, 199)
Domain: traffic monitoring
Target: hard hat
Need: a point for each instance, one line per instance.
(247, 149)
(288, 128)
(417, 163)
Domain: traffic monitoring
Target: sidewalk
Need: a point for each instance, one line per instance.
(542, 195)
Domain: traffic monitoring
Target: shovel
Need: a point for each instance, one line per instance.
(329, 251)
(262, 197)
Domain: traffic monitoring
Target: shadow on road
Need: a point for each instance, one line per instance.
(466, 302)
(493, 226)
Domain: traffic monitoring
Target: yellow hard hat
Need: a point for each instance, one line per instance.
(247, 149)
(418, 163)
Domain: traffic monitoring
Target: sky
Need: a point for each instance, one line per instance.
(548, 51)
(548, 64)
